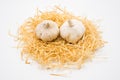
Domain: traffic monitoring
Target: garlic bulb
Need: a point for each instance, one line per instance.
(47, 30)
(72, 30)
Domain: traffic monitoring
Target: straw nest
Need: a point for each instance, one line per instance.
(58, 53)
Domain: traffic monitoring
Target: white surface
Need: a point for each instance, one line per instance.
(14, 12)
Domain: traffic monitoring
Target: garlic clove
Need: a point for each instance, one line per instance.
(47, 30)
(72, 30)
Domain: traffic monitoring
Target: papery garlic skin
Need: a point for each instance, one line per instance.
(47, 30)
(72, 30)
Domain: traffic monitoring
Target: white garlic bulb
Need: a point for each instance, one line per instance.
(47, 30)
(72, 30)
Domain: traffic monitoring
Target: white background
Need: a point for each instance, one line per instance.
(14, 12)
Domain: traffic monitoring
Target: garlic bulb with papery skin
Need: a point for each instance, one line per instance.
(47, 30)
(72, 30)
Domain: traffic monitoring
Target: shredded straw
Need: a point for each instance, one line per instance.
(62, 75)
(58, 53)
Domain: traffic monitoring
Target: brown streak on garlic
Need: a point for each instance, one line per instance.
(47, 25)
(70, 23)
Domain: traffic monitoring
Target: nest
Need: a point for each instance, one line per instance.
(58, 53)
